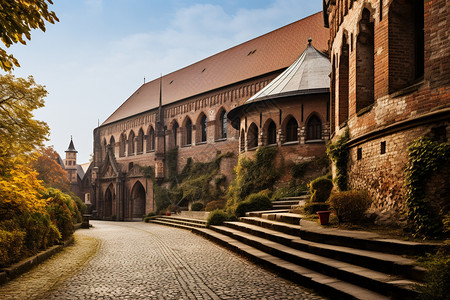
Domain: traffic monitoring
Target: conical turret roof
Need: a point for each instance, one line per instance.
(71, 147)
(309, 74)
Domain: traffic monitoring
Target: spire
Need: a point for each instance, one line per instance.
(71, 146)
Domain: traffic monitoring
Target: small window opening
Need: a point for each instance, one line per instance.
(359, 154)
(383, 147)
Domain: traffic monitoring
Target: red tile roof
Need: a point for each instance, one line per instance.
(275, 50)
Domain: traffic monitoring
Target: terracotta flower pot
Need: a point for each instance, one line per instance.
(324, 217)
(167, 213)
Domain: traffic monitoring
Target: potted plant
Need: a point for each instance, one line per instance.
(324, 217)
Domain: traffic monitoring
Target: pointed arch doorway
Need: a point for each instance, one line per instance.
(137, 201)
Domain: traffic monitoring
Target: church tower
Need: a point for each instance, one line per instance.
(70, 162)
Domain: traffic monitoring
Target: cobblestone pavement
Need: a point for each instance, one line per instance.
(150, 261)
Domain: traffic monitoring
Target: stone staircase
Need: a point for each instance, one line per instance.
(336, 263)
(287, 203)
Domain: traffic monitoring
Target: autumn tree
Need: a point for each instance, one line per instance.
(49, 170)
(20, 134)
(17, 19)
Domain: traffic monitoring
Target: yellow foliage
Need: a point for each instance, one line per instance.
(20, 191)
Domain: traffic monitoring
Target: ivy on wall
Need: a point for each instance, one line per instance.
(193, 183)
(338, 152)
(254, 175)
(426, 157)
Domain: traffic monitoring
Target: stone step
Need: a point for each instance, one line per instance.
(348, 238)
(273, 225)
(324, 284)
(286, 207)
(177, 223)
(285, 202)
(289, 218)
(197, 221)
(259, 213)
(389, 285)
(382, 262)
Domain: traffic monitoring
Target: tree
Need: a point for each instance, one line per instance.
(49, 170)
(17, 18)
(19, 133)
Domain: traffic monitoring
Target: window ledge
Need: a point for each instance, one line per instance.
(272, 145)
(290, 143)
(150, 151)
(139, 153)
(200, 143)
(314, 141)
(342, 125)
(364, 110)
(407, 90)
(186, 146)
(252, 149)
(220, 140)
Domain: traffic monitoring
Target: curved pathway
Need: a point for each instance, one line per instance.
(150, 261)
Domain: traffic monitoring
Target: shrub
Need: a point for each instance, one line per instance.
(287, 191)
(197, 206)
(313, 207)
(173, 208)
(320, 189)
(80, 205)
(254, 202)
(217, 217)
(437, 279)
(350, 205)
(216, 204)
(11, 246)
(61, 216)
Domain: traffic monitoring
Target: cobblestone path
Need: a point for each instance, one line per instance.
(149, 261)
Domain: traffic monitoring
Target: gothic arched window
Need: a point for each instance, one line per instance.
(314, 129)
(291, 130)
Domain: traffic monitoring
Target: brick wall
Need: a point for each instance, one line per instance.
(406, 104)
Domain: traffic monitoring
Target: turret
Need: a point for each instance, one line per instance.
(70, 162)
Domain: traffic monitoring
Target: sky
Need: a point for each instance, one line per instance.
(100, 51)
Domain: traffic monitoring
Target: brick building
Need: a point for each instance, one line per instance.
(389, 86)
(290, 113)
(188, 109)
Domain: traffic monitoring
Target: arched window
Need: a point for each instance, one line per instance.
(314, 129)
(151, 140)
(122, 145)
(175, 133)
(140, 142)
(343, 82)
(223, 125)
(291, 130)
(252, 136)
(112, 142)
(131, 146)
(203, 124)
(365, 62)
(188, 131)
(242, 147)
(406, 43)
(272, 133)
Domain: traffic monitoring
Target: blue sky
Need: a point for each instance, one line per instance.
(101, 50)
